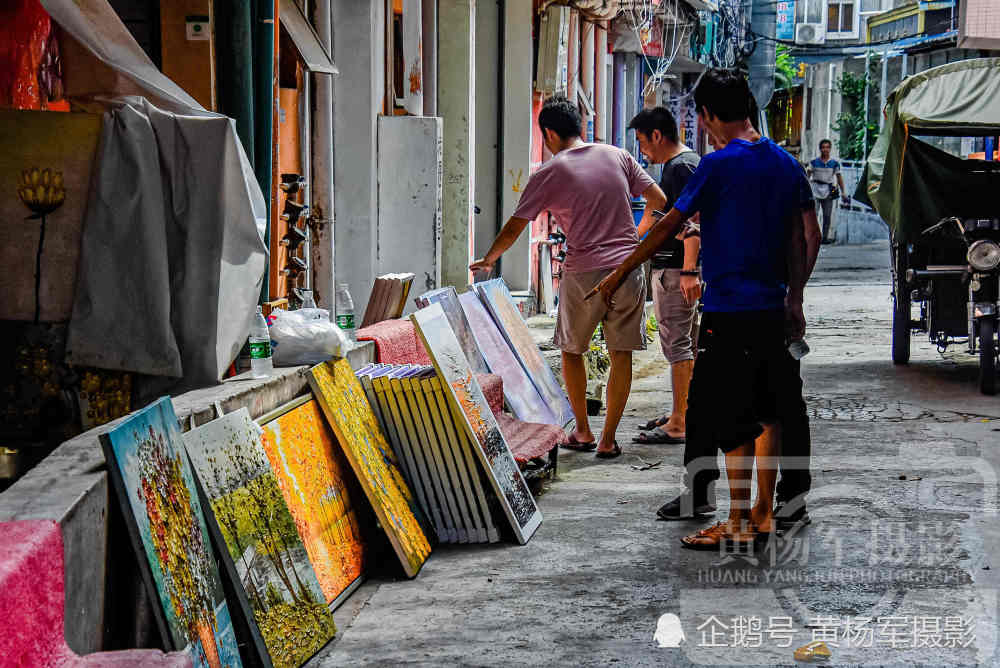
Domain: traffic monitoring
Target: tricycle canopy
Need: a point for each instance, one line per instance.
(913, 184)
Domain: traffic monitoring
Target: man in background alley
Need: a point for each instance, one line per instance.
(676, 278)
(588, 189)
(827, 185)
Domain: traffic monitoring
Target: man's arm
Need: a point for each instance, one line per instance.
(508, 235)
(663, 230)
(655, 201)
(691, 285)
(798, 274)
(811, 231)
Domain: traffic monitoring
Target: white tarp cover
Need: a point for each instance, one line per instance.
(173, 255)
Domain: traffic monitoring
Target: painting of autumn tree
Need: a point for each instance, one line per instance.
(265, 552)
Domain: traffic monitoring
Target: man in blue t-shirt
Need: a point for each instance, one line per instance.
(755, 262)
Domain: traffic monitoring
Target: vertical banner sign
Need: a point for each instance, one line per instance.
(786, 20)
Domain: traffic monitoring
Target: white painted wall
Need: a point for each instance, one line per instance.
(487, 110)
(516, 144)
(410, 176)
(358, 51)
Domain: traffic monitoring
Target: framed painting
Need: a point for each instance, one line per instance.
(496, 297)
(521, 394)
(449, 301)
(467, 401)
(156, 489)
(258, 540)
(348, 413)
(321, 494)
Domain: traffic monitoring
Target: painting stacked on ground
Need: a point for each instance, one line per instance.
(317, 485)
(151, 475)
(473, 410)
(498, 301)
(350, 415)
(266, 554)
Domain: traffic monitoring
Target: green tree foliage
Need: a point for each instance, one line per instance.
(784, 68)
(857, 134)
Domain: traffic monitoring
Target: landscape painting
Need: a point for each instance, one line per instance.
(348, 412)
(263, 551)
(158, 497)
(466, 397)
(322, 497)
(521, 394)
(497, 298)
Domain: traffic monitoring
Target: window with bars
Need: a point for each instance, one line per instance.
(841, 18)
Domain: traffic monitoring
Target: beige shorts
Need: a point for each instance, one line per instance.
(677, 319)
(624, 322)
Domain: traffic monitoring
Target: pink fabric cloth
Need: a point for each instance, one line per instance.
(588, 190)
(32, 601)
(529, 439)
(526, 439)
(396, 342)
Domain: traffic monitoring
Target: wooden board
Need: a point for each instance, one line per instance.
(258, 541)
(151, 476)
(496, 297)
(466, 397)
(347, 411)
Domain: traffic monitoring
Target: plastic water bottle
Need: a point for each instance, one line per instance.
(307, 299)
(345, 312)
(261, 365)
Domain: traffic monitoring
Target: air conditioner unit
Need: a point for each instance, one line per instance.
(553, 50)
(810, 33)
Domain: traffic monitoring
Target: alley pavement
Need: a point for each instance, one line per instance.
(898, 568)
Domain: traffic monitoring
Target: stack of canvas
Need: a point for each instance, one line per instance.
(434, 453)
(388, 298)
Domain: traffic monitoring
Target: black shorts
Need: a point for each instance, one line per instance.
(743, 375)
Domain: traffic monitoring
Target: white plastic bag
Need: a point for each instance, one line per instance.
(305, 336)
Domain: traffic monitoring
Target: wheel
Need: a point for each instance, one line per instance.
(987, 356)
(900, 309)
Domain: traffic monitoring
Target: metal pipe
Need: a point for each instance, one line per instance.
(321, 235)
(601, 102)
(587, 74)
(618, 100)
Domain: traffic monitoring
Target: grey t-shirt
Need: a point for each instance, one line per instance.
(676, 173)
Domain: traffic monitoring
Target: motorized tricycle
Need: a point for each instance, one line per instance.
(943, 210)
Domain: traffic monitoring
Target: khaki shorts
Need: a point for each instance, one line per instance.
(624, 322)
(678, 320)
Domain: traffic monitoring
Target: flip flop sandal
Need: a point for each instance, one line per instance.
(573, 444)
(713, 538)
(610, 454)
(658, 437)
(653, 424)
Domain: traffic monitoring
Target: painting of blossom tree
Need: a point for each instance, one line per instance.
(264, 554)
(156, 490)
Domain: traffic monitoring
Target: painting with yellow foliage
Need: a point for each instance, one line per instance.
(348, 412)
(323, 500)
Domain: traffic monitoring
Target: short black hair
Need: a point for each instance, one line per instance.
(657, 118)
(725, 94)
(561, 116)
(825, 141)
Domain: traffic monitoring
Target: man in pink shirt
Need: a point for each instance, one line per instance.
(587, 188)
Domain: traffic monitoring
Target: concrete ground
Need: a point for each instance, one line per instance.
(898, 567)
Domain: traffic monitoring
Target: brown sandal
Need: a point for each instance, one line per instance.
(713, 538)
